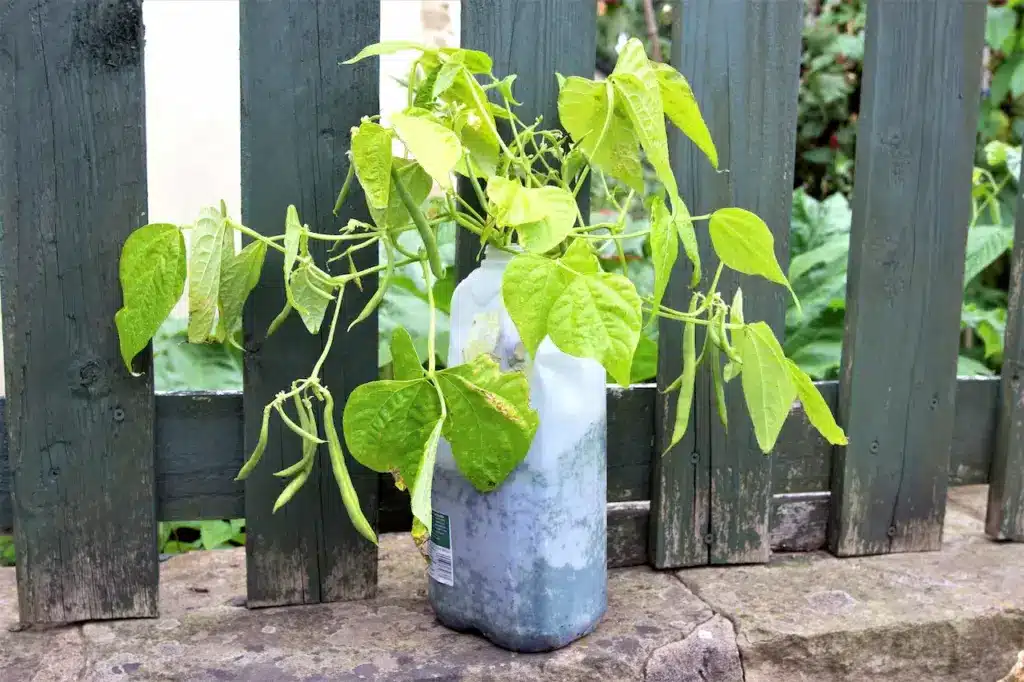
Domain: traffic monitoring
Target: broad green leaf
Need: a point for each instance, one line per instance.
(745, 244)
(424, 482)
(152, 272)
(371, 156)
(682, 109)
(465, 90)
(387, 423)
(435, 147)
(212, 245)
(645, 361)
(405, 361)
(386, 47)
(213, 534)
(417, 182)
(474, 60)
(311, 297)
(480, 149)
(446, 75)
(637, 85)
(490, 424)
(985, 245)
(598, 316)
(767, 385)
(580, 257)
(529, 288)
(504, 87)
(664, 247)
(543, 216)
(815, 406)
(603, 129)
(688, 236)
(238, 278)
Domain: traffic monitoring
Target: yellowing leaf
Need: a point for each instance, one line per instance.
(311, 297)
(212, 245)
(815, 406)
(543, 216)
(424, 481)
(237, 280)
(371, 157)
(581, 257)
(529, 288)
(664, 248)
(745, 244)
(602, 128)
(682, 109)
(435, 147)
(767, 386)
(598, 316)
(417, 182)
(152, 273)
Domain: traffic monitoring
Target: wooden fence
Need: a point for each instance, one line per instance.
(95, 459)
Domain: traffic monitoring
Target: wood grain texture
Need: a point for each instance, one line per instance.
(974, 430)
(1005, 517)
(298, 104)
(799, 521)
(628, 533)
(533, 39)
(6, 512)
(803, 458)
(746, 84)
(915, 148)
(72, 188)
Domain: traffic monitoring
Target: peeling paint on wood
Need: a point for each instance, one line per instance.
(799, 521)
(915, 150)
(80, 427)
(298, 104)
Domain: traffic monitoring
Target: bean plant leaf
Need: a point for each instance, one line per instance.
(292, 240)
(581, 258)
(490, 424)
(371, 157)
(744, 243)
(238, 278)
(543, 216)
(434, 146)
(465, 90)
(152, 271)
(598, 316)
(311, 297)
(417, 182)
(529, 288)
(767, 385)
(682, 109)
(387, 423)
(688, 236)
(212, 245)
(385, 47)
(475, 61)
(424, 482)
(664, 247)
(446, 75)
(405, 361)
(602, 128)
(815, 407)
(480, 149)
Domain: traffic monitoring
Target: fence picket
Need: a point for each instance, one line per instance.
(915, 150)
(73, 155)
(711, 493)
(298, 104)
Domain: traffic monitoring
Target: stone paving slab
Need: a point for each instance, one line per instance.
(951, 615)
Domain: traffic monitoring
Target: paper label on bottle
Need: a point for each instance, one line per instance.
(441, 565)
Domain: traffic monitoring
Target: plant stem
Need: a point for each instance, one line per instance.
(249, 232)
(330, 336)
(431, 333)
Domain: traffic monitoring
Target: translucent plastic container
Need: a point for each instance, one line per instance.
(524, 565)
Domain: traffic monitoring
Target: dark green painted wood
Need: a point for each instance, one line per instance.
(747, 88)
(1005, 518)
(915, 148)
(6, 512)
(72, 149)
(974, 430)
(803, 459)
(533, 39)
(298, 104)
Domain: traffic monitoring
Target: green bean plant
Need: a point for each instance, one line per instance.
(523, 181)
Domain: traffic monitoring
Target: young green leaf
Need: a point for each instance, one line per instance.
(237, 280)
(446, 75)
(542, 216)
(386, 424)
(664, 247)
(292, 240)
(405, 362)
(386, 47)
(529, 288)
(480, 149)
(504, 87)
(591, 114)
(152, 273)
(418, 183)
(424, 482)
(435, 147)
(736, 309)
(474, 60)
(745, 244)
(371, 157)
(598, 316)
(767, 386)
(212, 246)
(682, 109)
(688, 236)
(815, 406)
(466, 91)
(581, 258)
(490, 423)
(311, 297)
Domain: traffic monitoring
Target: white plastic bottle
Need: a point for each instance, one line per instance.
(525, 564)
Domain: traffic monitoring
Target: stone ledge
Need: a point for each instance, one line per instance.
(951, 615)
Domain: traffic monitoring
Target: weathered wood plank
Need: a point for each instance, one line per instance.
(1005, 517)
(628, 533)
(6, 512)
(72, 187)
(298, 105)
(915, 148)
(974, 430)
(799, 521)
(747, 88)
(803, 458)
(533, 39)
